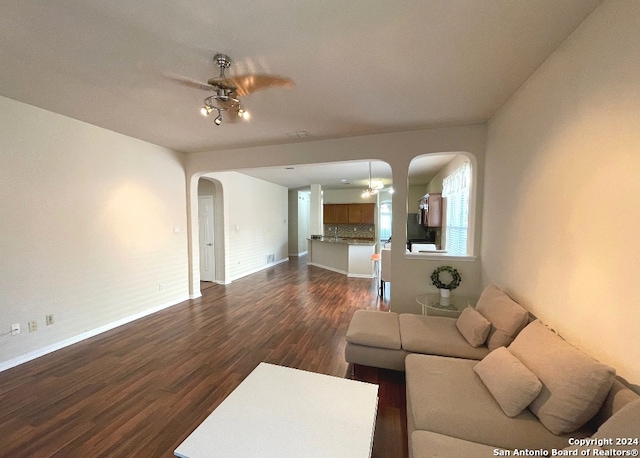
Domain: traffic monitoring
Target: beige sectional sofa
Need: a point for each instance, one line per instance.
(529, 391)
(452, 411)
(384, 339)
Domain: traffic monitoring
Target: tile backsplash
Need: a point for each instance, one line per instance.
(350, 230)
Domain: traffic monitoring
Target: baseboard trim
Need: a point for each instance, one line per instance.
(297, 255)
(245, 274)
(85, 335)
(332, 269)
(361, 275)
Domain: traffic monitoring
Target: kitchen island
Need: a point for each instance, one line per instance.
(351, 257)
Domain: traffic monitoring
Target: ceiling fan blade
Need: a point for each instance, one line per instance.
(247, 84)
(189, 82)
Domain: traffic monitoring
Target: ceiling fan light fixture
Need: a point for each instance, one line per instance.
(228, 90)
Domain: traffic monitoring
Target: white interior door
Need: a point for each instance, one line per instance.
(205, 221)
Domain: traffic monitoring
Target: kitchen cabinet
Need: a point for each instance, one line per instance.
(368, 212)
(342, 214)
(328, 214)
(348, 213)
(335, 213)
(355, 214)
(431, 210)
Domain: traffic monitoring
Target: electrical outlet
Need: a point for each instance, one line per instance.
(49, 320)
(15, 329)
(33, 326)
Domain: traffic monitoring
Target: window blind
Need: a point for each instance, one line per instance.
(385, 220)
(455, 190)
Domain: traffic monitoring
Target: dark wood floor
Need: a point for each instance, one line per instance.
(140, 389)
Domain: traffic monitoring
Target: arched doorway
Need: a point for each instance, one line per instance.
(210, 230)
(448, 179)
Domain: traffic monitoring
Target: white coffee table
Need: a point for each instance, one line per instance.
(282, 412)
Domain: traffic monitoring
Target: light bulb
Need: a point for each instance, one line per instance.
(245, 114)
(218, 120)
(204, 111)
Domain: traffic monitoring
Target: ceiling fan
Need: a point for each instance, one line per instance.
(228, 90)
(374, 186)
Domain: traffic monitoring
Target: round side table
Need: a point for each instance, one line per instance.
(434, 305)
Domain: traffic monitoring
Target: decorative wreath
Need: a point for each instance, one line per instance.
(455, 278)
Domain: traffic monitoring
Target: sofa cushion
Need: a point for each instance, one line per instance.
(507, 317)
(512, 385)
(426, 444)
(619, 432)
(574, 385)
(365, 355)
(445, 396)
(625, 423)
(436, 335)
(473, 326)
(619, 396)
(374, 329)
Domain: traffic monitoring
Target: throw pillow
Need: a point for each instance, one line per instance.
(511, 384)
(574, 385)
(473, 326)
(507, 317)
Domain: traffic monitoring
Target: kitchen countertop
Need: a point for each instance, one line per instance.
(344, 241)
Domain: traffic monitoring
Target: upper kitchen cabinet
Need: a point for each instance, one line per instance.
(355, 214)
(342, 214)
(348, 213)
(335, 213)
(368, 212)
(431, 210)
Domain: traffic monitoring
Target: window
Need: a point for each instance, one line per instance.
(385, 220)
(455, 190)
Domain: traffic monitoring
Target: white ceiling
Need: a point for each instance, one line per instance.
(360, 67)
(349, 174)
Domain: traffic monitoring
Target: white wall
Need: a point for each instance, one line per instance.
(561, 213)
(346, 196)
(416, 193)
(436, 183)
(87, 229)
(255, 218)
